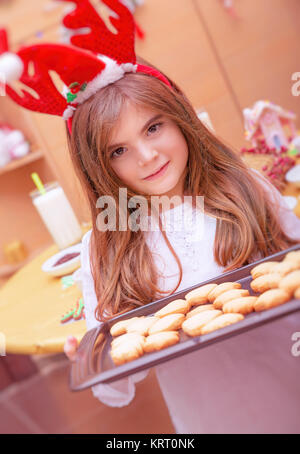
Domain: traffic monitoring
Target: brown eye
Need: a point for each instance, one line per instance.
(156, 126)
(116, 151)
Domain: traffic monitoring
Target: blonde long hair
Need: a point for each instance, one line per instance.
(123, 267)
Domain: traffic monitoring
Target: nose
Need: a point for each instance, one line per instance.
(146, 154)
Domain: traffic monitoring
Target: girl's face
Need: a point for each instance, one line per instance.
(143, 142)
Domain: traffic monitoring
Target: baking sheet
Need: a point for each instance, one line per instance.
(94, 364)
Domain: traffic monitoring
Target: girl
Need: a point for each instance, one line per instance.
(121, 136)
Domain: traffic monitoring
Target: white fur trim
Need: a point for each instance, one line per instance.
(68, 113)
(111, 73)
(11, 67)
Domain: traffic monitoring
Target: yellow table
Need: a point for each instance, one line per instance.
(31, 306)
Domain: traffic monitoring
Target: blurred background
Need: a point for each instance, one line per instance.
(227, 56)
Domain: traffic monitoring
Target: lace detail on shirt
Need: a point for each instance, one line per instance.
(184, 227)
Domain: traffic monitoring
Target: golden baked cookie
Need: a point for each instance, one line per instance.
(198, 309)
(141, 325)
(127, 337)
(161, 340)
(222, 288)
(265, 282)
(290, 282)
(175, 307)
(243, 305)
(221, 322)
(297, 294)
(170, 322)
(199, 295)
(126, 351)
(283, 268)
(121, 327)
(192, 326)
(271, 298)
(293, 256)
(228, 296)
(263, 268)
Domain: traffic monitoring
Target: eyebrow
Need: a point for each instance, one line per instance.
(156, 117)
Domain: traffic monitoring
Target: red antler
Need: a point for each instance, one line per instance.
(120, 46)
(66, 61)
(104, 59)
(3, 41)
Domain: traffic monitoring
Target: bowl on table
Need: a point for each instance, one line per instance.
(64, 262)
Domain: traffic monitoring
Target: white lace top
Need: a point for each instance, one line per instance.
(246, 383)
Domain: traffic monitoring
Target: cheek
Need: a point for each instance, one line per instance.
(179, 148)
(123, 170)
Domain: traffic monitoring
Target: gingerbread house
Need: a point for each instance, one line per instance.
(268, 121)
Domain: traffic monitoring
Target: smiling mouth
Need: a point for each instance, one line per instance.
(157, 172)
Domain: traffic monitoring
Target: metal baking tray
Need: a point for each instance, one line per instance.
(94, 364)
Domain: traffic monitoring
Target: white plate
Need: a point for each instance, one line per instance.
(64, 268)
(293, 175)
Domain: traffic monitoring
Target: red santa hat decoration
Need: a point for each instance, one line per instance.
(92, 61)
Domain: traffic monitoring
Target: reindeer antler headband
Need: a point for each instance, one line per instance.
(92, 61)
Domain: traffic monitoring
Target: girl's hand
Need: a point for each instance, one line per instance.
(70, 347)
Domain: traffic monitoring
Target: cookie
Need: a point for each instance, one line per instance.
(120, 327)
(243, 305)
(170, 322)
(141, 325)
(198, 309)
(221, 322)
(293, 256)
(192, 326)
(265, 282)
(297, 294)
(127, 337)
(263, 268)
(175, 307)
(199, 295)
(126, 351)
(222, 288)
(283, 268)
(290, 282)
(228, 296)
(161, 340)
(271, 298)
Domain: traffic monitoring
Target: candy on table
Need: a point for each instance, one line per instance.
(272, 163)
(67, 316)
(15, 252)
(79, 310)
(67, 281)
(294, 145)
(75, 314)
